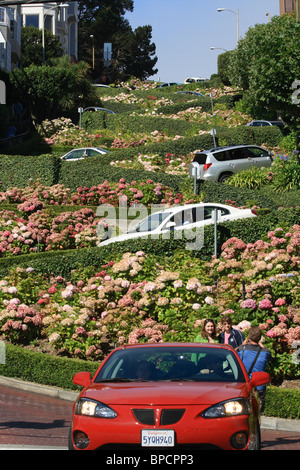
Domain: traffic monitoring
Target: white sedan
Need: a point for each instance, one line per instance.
(80, 154)
(177, 218)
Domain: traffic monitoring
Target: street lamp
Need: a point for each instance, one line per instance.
(93, 45)
(237, 19)
(212, 48)
(61, 5)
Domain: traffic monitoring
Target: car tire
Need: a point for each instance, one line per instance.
(223, 177)
(256, 443)
(70, 442)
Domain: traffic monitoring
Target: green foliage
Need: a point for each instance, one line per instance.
(223, 67)
(31, 46)
(288, 177)
(251, 179)
(50, 88)
(282, 403)
(265, 70)
(45, 369)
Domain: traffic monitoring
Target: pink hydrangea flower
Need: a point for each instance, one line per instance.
(265, 304)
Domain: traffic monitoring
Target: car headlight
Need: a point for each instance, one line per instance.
(240, 406)
(96, 409)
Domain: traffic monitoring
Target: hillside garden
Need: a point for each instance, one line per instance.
(63, 295)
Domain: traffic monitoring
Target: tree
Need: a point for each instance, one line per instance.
(265, 65)
(49, 90)
(138, 53)
(133, 52)
(32, 49)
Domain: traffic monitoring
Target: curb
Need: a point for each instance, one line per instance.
(277, 424)
(53, 392)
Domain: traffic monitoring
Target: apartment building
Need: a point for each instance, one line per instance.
(10, 37)
(287, 6)
(61, 21)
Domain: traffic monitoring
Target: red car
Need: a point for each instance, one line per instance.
(168, 395)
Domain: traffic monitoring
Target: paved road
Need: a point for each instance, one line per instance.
(30, 419)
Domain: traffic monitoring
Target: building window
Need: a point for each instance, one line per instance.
(2, 15)
(49, 23)
(32, 20)
(2, 56)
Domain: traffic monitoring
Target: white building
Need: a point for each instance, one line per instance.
(10, 37)
(61, 21)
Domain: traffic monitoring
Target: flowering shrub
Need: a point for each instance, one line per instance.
(36, 196)
(63, 132)
(134, 298)
(41, 232)
(167, 164)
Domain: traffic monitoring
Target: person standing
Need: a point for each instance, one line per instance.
(230, 335)
(255, 358)
(208, 332)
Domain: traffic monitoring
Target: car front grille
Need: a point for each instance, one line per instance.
(167, 416)
(171, 416)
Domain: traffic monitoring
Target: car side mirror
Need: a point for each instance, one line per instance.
(260, 378)
(82, 378)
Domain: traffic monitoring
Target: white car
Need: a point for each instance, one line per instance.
(80, 154)
(194, 80)
(177, 218)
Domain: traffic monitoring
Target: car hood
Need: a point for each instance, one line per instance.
(164, 393)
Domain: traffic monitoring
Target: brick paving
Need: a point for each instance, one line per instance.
(32, 419)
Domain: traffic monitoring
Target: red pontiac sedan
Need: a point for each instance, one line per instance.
(168, 395)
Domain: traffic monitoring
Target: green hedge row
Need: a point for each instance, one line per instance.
(282, 403)
(45, 369)
(63, 262)
(142, 124)
(17, 170)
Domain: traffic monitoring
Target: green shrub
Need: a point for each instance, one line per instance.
(44, 369)
(19, 171)
(287, 177)
(251, 179)
(282, 403)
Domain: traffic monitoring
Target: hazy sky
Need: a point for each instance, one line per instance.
(184, 31)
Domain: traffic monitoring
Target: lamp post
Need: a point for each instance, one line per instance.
(237, 19)
(212, 48)
(93, 49)
(61, 5)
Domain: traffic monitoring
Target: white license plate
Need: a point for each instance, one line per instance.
(158, 438)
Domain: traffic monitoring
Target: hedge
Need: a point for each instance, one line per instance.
(282, 403)
(46, 369)
(270, 135)
(41, 368)
(19, 170)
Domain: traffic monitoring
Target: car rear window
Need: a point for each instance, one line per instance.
(200, 158)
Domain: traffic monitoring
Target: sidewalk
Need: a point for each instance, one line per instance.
(277, 424)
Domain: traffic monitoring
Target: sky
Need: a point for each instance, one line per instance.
(184, 32)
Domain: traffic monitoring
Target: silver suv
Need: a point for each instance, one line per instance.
(219, 163)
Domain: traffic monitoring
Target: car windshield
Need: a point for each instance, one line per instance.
(181, 363)
(150, 223)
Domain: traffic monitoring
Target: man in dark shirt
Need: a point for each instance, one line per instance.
(255, 358)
